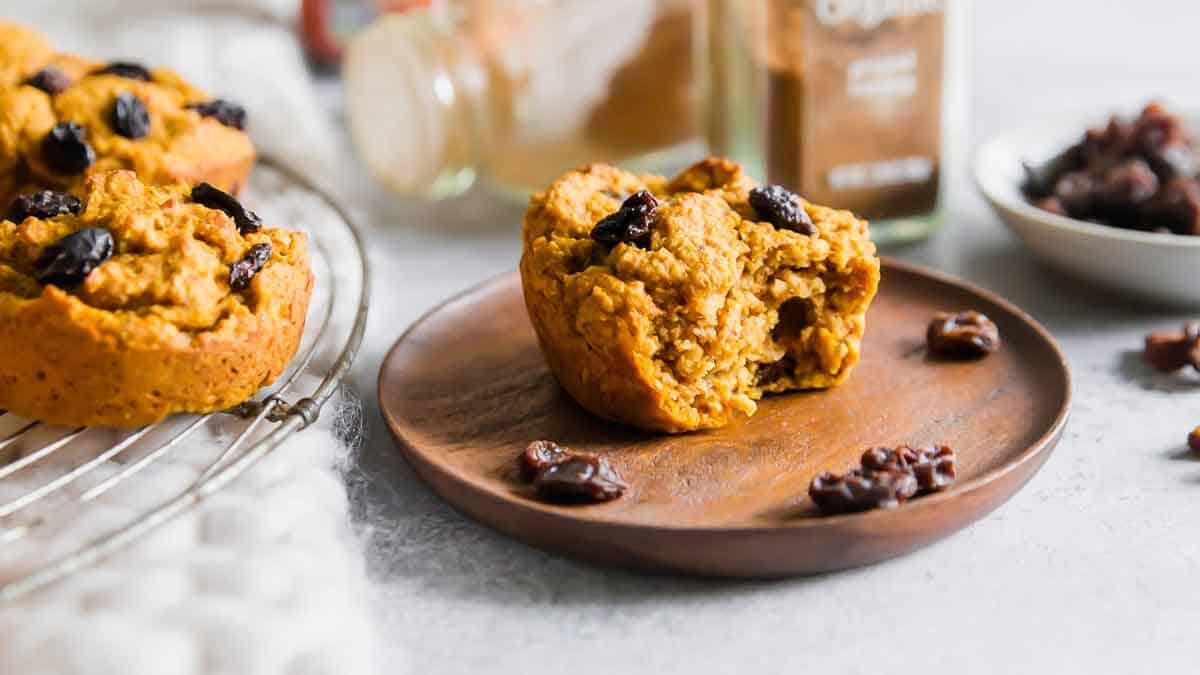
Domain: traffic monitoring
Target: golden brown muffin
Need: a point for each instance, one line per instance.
(690, 326)
(23, 52)
(174, 137)
(160, 325)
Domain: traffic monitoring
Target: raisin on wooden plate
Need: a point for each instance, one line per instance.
(965, 335)
(68, 262)
(580, 478)
(539, 456)
(859, 490)
(934, 466)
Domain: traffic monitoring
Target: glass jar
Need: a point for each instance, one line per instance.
(852, 103)
(521, 90)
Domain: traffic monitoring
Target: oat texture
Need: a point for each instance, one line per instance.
(717, 311)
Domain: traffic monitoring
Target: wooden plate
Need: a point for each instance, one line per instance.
(465, 389)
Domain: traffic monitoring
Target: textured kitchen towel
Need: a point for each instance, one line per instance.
(266, 577)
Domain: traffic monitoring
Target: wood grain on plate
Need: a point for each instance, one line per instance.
(465, 389)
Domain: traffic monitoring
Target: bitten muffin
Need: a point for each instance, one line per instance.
(139, 301)
(64, 118)
(686, 324)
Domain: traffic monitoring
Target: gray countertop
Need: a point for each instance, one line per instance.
(1092, 567)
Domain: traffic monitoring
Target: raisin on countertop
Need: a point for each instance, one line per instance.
(50, 80)
(65, 149)
(243, 271)
(129, 116)
(782, 208)
(629, 224)
(68, 262)
(1168, 351)
(580, 478)
(965, 335)
(215, 198)
(44, 204)
(226, 112)
(1193, 440)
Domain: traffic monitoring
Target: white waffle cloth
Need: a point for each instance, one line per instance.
(267, 577)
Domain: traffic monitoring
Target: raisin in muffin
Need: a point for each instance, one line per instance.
(138, 301)
(677, 308)
(64, 118)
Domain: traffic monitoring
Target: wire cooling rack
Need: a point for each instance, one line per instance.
(51, 477)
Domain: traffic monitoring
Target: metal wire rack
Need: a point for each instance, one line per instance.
(74, 469)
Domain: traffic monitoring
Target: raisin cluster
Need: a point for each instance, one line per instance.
(1139, 174)
(965, 335)
(559, 474)
(886, 478)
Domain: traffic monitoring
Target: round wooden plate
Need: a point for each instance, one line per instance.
(465, 389)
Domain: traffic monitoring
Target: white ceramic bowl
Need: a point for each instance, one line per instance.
(1163, 268)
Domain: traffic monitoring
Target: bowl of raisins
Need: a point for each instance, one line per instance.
(1117, 205)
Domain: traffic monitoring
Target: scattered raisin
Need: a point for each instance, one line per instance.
(68, 262)
(242, 271)
(579, 478)
(782, 208)
(859, 490)
(133, 71)
(1168, 351)
(1193, 440)
(629, 224)
(539, 456)
(934, 466)
(65, 149)
(44, 204)
(129, 116)
(215, 198)
(964, 335)
(50, 80)
(226, 112)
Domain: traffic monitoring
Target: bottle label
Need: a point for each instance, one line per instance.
(854, 115)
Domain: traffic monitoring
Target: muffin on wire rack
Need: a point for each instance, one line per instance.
(138, 301)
